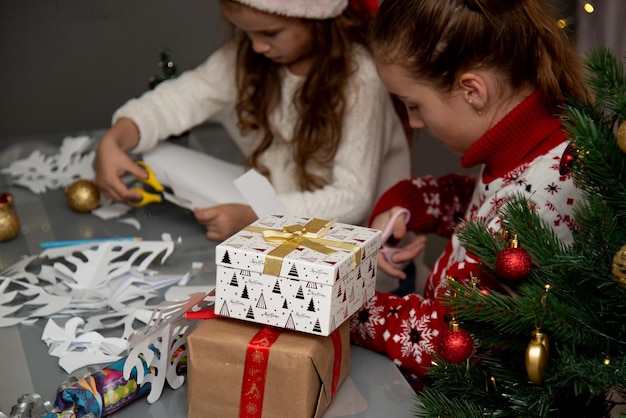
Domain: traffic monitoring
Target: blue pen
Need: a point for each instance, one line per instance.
(55, 244)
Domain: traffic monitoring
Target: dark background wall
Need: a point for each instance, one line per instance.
(66, 65)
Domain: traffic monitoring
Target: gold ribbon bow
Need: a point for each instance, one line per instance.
(294, 236)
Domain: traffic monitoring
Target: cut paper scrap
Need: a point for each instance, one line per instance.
(199, 178)
(162, 344)
(77, 349)
(110, 209)
(132, 222)
(40, 172)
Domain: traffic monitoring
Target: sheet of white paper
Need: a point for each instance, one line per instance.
(201, 179)
(259, 194)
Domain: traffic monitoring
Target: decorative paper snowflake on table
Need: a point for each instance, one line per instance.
(40, 172)
(89, 266)
(162, 344)
(108, 282)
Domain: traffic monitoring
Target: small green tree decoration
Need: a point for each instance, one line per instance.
(168, 69)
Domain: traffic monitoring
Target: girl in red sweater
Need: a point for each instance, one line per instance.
(485, 78)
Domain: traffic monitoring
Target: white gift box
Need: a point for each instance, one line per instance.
(304, 274)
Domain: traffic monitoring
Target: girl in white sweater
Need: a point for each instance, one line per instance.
(298, 93)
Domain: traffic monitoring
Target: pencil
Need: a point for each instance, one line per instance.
(55, 244)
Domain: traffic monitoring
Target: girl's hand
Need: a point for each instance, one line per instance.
(223, 221)
(405, 253)
(392, 258)
(112, 161)
(399, 227)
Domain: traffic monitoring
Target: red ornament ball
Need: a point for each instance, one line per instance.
(455, 346)
(6, 199)
(513, 263)
(567, 159)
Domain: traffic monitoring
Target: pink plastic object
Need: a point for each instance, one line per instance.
(388, 251)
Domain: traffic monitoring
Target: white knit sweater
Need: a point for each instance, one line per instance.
(372, 156)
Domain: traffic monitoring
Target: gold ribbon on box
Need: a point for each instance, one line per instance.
(293, 236)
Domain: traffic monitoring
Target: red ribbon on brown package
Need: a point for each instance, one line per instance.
(257, 358)
(255, 370)
(336, 338)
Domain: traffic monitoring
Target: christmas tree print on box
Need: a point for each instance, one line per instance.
(308, 290)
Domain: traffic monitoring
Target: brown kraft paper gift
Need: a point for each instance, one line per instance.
(299, 371)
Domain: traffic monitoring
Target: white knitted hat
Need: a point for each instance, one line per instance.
(310, 9)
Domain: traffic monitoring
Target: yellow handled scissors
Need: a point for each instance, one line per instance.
(158, 192)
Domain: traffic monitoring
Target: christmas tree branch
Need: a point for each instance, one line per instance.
(608, 81)
(574, 294)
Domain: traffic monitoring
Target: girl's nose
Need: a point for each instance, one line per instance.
(416, 122)
(260, 47)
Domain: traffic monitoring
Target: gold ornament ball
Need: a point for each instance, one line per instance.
(537, 357)
(9, 223)
(83, 196)
(621, 136)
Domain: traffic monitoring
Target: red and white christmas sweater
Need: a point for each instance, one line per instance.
(520, 155)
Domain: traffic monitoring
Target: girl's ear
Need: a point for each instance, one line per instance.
(474, 90)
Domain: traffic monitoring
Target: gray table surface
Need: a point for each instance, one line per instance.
(374, 388)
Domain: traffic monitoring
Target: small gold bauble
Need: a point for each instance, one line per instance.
(9, 223)
(619, 267)
(537, 357)
(82, 196)
(621, 136)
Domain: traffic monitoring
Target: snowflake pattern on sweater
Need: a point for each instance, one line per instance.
(406, 328)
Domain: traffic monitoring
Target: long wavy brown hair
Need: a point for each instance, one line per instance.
(320, 101)
(436, 40)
